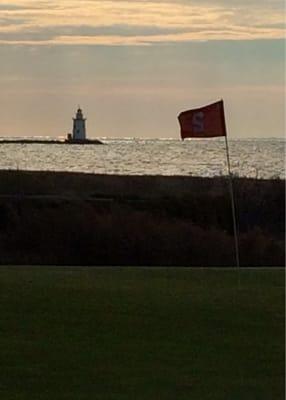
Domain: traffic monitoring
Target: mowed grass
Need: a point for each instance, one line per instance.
(131, 333)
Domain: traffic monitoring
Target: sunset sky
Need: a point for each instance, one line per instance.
(134, 65)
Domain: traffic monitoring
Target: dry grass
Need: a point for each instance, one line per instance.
(114, 220)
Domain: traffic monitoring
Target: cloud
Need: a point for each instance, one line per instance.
(7, 7)
(84, 31)
(120, 22)
(10, 22)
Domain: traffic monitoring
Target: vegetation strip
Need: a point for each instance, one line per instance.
(84, 219)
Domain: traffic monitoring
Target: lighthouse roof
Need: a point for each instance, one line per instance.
(79, 114)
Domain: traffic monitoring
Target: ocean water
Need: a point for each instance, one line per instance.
(259, 158)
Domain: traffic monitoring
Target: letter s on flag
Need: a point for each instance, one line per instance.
(203, 122)
(198, 122)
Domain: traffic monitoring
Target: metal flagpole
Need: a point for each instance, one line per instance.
(232, 206)
(214, 128)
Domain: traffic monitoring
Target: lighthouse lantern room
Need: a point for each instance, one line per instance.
(79, 132)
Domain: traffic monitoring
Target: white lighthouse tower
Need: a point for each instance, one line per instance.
(79, 132)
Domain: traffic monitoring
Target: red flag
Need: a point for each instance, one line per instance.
(203, 122)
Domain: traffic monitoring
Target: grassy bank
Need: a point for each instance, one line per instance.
(84, 219)
(129, 333)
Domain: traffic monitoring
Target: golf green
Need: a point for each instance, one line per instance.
(141, 333)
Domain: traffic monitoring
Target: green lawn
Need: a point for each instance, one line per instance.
(131, 333)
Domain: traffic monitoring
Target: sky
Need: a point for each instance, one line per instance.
(133, 66)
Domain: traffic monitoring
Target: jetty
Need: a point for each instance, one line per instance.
(49, 141)
(78, 135)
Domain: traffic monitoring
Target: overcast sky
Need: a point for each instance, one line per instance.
(133, 66)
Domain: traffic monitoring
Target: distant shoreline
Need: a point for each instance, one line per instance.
(49, 141)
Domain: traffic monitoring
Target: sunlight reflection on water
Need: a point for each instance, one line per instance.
(252, 157)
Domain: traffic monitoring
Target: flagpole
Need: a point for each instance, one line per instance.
(235, 230)
(210, 121)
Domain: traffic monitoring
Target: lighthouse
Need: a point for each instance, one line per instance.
(79, 132)
(78, 135)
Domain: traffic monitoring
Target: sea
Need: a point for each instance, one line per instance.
(255, 158)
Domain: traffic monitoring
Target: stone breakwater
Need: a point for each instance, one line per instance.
(49, 141)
